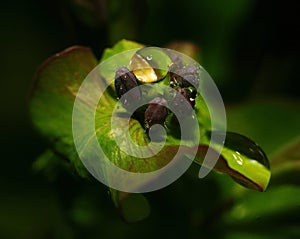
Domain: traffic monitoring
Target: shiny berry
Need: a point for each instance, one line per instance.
(156, 112)
(125, 81)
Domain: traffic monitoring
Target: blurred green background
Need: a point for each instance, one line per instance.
(250, 48)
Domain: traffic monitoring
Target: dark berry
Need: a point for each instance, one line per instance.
(187, 76)
(156, 112)
(125, 81)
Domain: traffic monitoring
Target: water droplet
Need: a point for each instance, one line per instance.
(238, 158)
(240, 153)
(242, 145)
(149, 58)
(240, 161)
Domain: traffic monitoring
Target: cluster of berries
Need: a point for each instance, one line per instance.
(183, 79)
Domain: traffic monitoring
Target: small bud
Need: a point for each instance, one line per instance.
(182, 102)
(187, 76)
(125, 81)
(189, 94)
(156, 112)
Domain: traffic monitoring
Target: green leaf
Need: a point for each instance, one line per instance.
(275, 204)
(50, 164)
(123, 45)
(240, 158)
(56, 84)
(286, 164)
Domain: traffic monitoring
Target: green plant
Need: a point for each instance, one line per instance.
(52, 99)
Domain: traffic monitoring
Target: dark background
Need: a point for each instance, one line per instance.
(250, 48)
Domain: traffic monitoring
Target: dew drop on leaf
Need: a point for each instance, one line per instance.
(246, 161)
